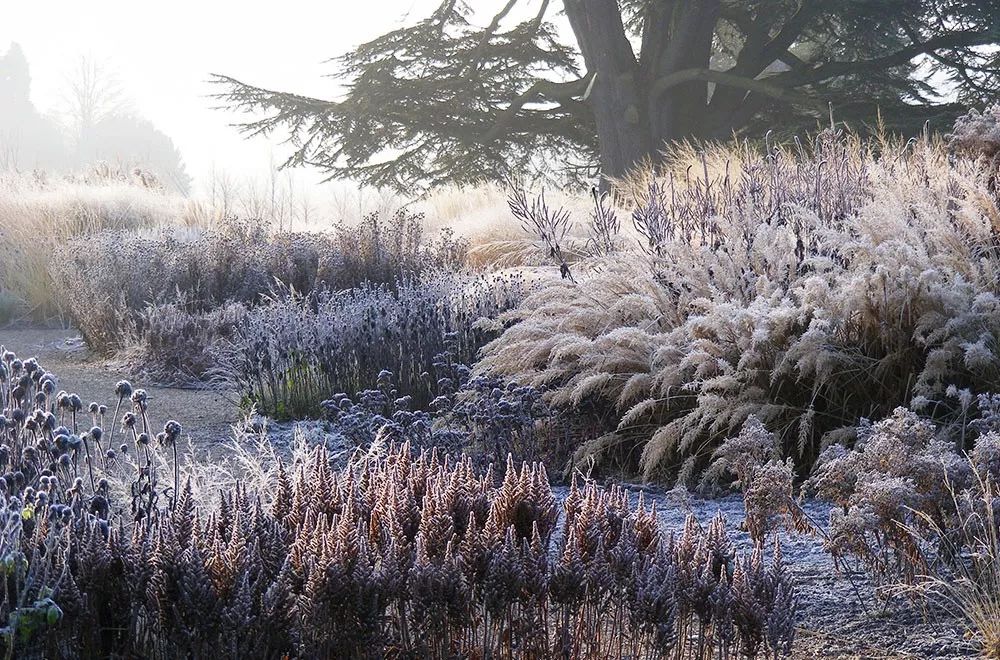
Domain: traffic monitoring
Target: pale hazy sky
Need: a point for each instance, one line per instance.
(162, 53)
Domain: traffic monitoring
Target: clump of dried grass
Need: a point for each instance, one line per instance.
(809, 286)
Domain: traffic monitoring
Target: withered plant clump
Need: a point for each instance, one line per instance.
(298, 351)
(398, 555)
(108, 282)
(916, 514)
(180, 346)
(907, 503)
(380, 250)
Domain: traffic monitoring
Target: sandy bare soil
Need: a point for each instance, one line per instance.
(204, 414)
(833, 621)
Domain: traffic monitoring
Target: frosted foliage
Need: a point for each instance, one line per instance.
(807, 303)
(978, 132)
(906, 501)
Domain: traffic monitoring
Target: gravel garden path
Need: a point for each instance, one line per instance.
(204, 414)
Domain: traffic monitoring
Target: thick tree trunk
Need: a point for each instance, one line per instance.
(622, 125)
(632, 123)
(616, 94)
(682, 37)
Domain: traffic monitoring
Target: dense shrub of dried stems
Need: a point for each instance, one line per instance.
(298, 351)
(916, 514)
(398, 555)
(162, 294)
(38, 214)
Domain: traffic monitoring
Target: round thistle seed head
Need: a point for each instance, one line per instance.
(110, 454)
(123, 389)
(128, 421)
(64, 461)
(75, 403)
(172, 431)
(102, 409)
(99, 506)
(96, 433)
(92, 408)
(48, 386)
(39, 399)
(139, 397)
(143, 439)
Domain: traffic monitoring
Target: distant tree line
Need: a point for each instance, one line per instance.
(96, 125)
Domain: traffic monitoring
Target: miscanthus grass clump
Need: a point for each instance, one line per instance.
(401, 554)
(38, 213)
(809, 286)
(298, 351)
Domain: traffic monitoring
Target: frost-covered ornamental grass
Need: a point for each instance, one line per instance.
(809, 286)
(37, 215)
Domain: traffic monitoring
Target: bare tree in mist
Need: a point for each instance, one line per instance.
(91, 94)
